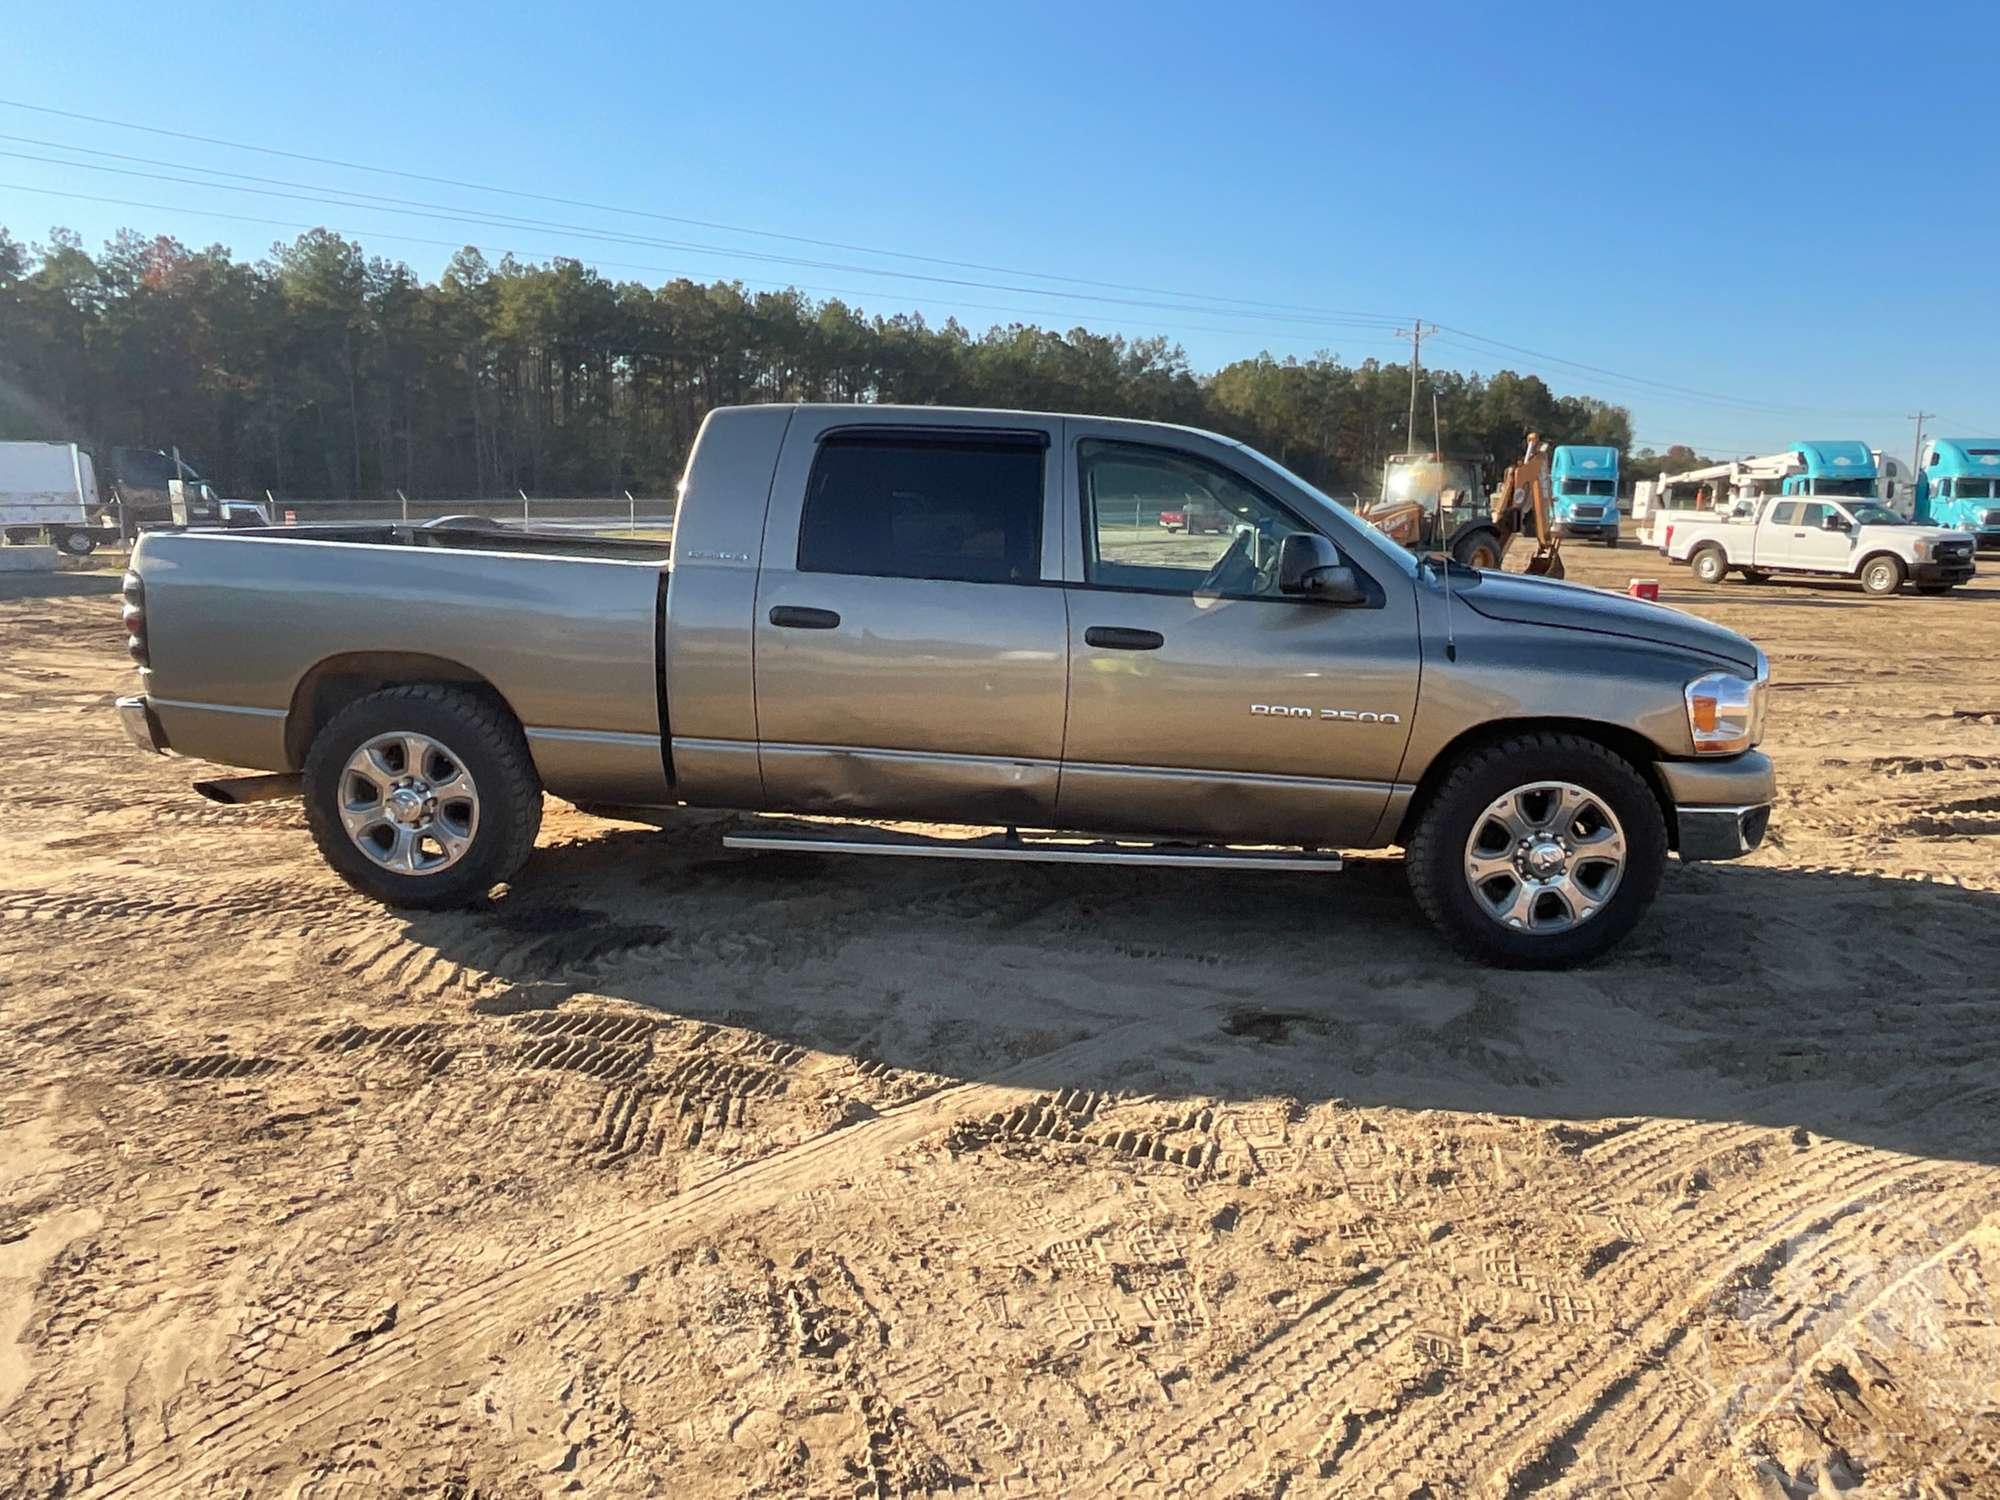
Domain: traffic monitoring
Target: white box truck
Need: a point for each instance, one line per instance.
(48, 493)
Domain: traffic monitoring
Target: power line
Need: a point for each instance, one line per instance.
(450, 214)
(798, 239)
(1287, 313)
(1658, 385)
(626, 265)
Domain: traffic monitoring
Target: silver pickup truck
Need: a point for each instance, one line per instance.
(972, 617)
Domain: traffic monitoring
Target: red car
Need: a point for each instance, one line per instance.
(1198, 520)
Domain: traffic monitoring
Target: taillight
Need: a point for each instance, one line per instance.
(134, 615)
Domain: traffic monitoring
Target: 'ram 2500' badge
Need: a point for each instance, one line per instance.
(1342, 715)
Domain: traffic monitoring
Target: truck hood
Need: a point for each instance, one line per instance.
(1911, 531)
(1570, 606)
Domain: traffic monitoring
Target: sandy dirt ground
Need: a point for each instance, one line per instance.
(674, 1171)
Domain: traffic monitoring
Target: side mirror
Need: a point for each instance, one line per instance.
(1309, 567)
(1833, 521)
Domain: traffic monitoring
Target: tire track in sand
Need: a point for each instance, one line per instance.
(229, 1435)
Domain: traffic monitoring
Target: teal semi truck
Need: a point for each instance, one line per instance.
(1959, 487)
(1583, 482)
(1841, 468)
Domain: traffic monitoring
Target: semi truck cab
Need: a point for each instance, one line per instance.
(1959, 487)
(1843, 470)
(1584, 485)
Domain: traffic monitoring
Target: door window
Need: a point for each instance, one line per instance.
(1170, 522)
(1813, 517)
(955, 507)
(1786, 514)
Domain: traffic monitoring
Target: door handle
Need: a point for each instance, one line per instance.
(798, 617)
(1119, 638)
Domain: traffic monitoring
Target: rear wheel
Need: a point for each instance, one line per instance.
(1882, 576)
(77, 543)
(422, 796)
(1539, 852)
(1709, 565)
(1756, 575)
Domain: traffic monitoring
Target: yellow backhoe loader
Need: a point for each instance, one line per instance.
(1521, 507)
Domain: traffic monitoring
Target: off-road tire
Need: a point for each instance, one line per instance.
(1478, 548)
(1709, 563)
(1434, 859)
(1882, 575)
(484, 736)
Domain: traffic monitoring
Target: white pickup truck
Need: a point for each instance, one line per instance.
(1856, 539)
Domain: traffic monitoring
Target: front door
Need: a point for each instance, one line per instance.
(1202, 700)
(1816, 549)
(911, 636)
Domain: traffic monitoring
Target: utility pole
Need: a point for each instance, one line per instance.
(1917, 459)
(1415, 334)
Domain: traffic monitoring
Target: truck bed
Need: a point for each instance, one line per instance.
(254, 632)
(526, 540)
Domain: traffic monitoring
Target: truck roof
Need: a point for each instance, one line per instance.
(1960, 457)
(1836, 458)
(884, 414)
(1584, 458)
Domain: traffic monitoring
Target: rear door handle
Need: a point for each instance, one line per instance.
(798, 617)
(1119, 638)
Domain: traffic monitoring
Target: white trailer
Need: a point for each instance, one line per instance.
(48, 493)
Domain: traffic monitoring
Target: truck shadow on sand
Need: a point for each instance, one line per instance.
(1851, 1005)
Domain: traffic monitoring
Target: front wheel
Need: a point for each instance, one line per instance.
(1709, 565)
(422, 796)
(1478, 548)
(1539, 852)
(1935, 589)
(1882, 576)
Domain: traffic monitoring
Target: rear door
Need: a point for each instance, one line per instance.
(1202, 700)
(1773, 534)
(911, 637)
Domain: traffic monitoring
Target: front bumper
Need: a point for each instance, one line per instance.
(142, 725)
(1593, 530)
(1722, 807)
(1938, 572)
(1713, 833)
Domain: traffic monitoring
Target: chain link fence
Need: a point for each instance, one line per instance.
(623, 513)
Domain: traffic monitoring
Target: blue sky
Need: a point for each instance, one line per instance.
(1793, 212)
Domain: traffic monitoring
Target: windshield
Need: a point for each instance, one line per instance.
(1862, 488)
(1874, 515)
(1599, 487)
(1425, 479)
(1975, 489)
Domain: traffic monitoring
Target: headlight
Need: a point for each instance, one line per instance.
(1725, 713)
(1923, 549)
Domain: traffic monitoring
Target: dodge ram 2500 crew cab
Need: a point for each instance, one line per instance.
(968, 616)
(1857, 539)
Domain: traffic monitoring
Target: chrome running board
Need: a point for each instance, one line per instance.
(1045, 849)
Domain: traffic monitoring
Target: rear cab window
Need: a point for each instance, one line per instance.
(959, 507)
